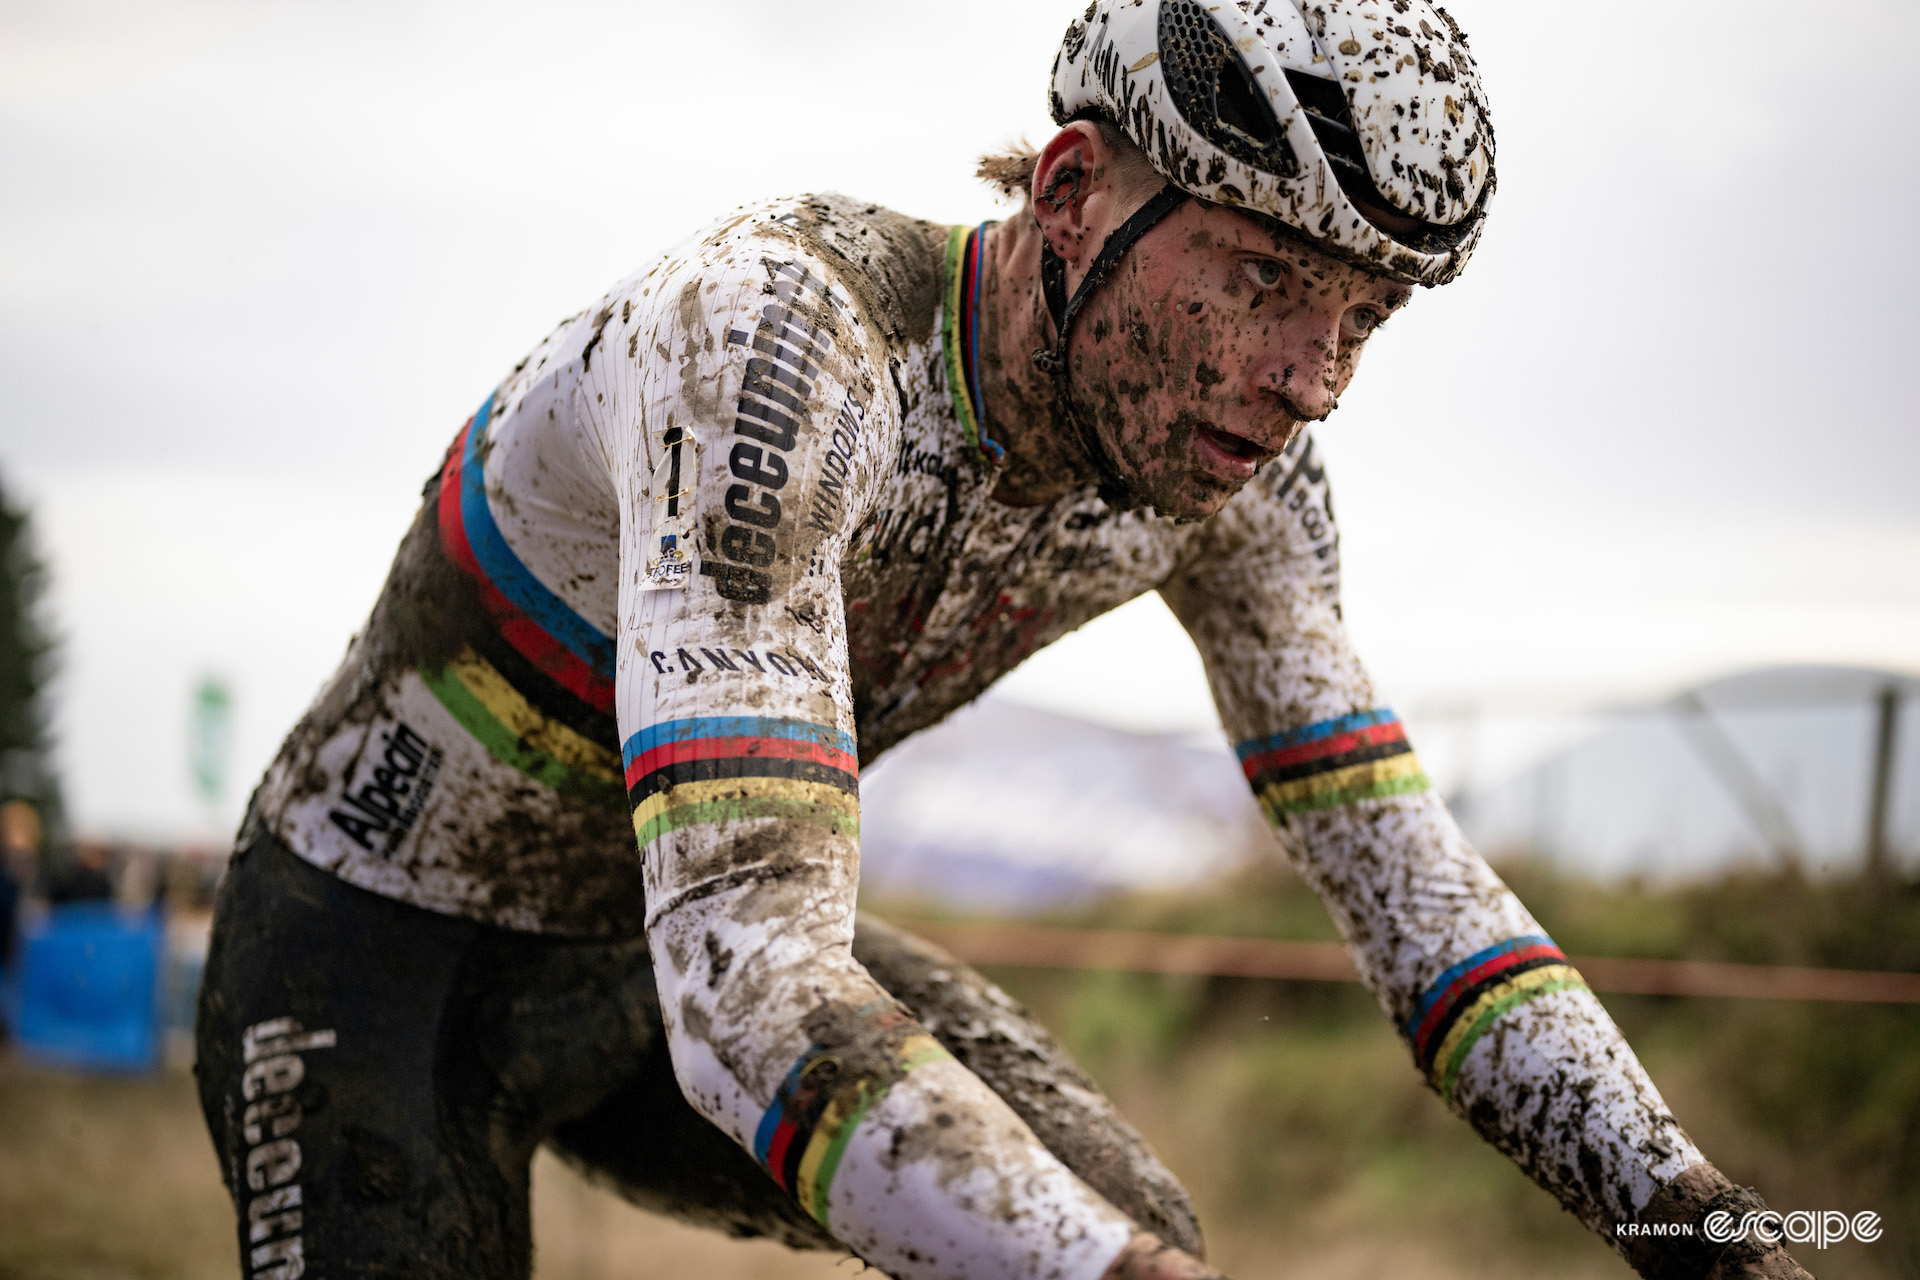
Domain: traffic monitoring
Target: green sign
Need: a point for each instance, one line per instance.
(210, 737)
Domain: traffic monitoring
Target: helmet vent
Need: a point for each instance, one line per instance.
(1238, 106)
(1216, 94)
(1325, 103)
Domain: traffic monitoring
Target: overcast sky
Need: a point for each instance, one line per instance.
(262, 259)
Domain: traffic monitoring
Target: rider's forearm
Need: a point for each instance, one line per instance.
(782, 1040)
(1500, 1024)
(1503, 1028)
(756, 446)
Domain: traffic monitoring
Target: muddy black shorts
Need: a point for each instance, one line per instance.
(377, 1077)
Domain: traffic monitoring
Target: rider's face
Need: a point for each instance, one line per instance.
(1210, 345)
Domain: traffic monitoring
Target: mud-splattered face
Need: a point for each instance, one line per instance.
(1210, 344)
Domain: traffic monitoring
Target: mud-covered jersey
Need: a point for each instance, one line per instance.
(729, 535)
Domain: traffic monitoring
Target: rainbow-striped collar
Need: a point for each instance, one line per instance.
(960, 336)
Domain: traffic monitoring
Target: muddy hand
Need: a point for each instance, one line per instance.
(1147, 1257)
(1774, 1263)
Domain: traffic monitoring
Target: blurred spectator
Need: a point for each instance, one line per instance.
(10, 890)
(84, 878)
(20, 834)
(190, 878)
(137, 876)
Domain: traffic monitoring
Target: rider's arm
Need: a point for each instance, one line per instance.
(1500, 1024)
(735, 707)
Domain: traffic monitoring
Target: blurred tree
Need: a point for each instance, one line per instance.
(26, 664)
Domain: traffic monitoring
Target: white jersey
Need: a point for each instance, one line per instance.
(727, 536)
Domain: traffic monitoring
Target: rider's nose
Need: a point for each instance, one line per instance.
(1299, 367)
(1305, 383)
(1312, 411)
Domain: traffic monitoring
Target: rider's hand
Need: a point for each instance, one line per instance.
(1775, 1264)
(1695, 1197)
(1147, 1257)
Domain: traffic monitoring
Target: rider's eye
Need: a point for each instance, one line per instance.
(1264, 272)
(1364, 320)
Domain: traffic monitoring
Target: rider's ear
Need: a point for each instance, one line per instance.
(1072, 188)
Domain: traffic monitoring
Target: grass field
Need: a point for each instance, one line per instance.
(1312, 1147)
(107, 1178)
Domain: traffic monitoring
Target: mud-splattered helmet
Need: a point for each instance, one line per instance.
(1360, 124)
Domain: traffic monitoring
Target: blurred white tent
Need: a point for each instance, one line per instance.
(1008, 807)
(1787, 763)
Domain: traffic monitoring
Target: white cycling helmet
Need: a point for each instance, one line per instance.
(1357, 125)
(1360, 124)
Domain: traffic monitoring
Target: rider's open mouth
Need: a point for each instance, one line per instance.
(1234, 446)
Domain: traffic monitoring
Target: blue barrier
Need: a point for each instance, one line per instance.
(87, 988)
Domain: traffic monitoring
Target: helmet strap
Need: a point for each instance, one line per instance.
(1115, 490)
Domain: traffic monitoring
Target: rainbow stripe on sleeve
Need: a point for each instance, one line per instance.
(537, 623)
(1461, 1005)
(712, 768)
(517, 733)
(1363, 756)
(804, 1132)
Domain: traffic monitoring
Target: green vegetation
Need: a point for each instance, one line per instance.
(1291, 1109)
(1294, 1113)
(113, 1178)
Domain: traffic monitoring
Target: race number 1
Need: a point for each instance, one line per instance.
(670, 546)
